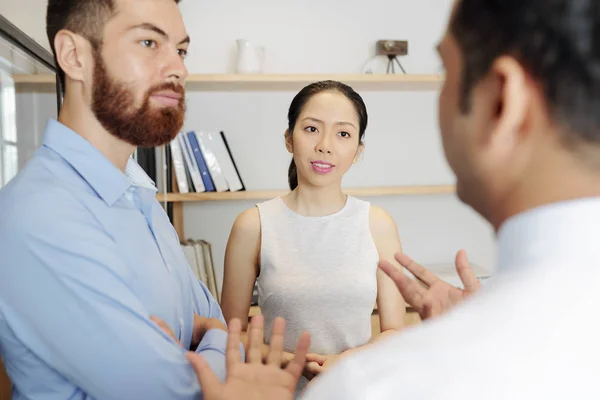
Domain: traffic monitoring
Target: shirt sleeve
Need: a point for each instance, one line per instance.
(65, 295)
(213, 344)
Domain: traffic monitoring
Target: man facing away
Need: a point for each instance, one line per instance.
(87, 254)
(520, 123)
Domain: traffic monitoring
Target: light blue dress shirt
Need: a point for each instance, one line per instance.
(87, 255)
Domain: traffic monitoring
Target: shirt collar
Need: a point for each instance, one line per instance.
(563, 234)
(137, 176)
(104, 177)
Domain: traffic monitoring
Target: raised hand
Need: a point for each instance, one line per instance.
(434, 296)
(254, 379)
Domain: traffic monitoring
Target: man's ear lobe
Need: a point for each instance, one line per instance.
(73, 54)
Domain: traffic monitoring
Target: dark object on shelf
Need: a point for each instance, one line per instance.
(146, 158)
(391, 59)
(392, 49)
(233, 161)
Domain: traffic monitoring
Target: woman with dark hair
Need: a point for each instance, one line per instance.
(315, 250)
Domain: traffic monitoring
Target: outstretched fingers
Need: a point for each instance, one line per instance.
(275, 356)
(465, 272)
(296, 366)
(412, 292)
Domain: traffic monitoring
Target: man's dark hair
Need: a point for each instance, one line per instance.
(556, 41)
(83, 17)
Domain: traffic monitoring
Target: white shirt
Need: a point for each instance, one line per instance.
(319, 273)
(533, 333)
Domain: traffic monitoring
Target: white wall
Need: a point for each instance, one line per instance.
(29, 16)
(332, 37)
(311, 36)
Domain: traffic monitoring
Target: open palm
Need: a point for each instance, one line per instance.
(253, 379)
(433, 296)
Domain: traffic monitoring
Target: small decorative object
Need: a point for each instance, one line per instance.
(392, 49)
(250, 57)
(387, 52)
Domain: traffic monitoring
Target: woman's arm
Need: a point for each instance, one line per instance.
(390, 304)
(242, 261)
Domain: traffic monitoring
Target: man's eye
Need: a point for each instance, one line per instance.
(182, 53)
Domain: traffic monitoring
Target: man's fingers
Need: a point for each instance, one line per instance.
(318, 358)
(427, 311)
(276, 352)
(466, 274)
(209, 382)
(232, 353)
(163, 325)
(255, 340)
(165, 328)
(313, 368)
(413, 293)
(420, 272)
(296, 366)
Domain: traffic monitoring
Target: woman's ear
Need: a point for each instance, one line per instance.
(289, 143)
(359, 153)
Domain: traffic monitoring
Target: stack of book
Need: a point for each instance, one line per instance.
(199, 255)
(203, 163)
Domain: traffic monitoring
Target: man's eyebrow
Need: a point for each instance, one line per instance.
(154, 28)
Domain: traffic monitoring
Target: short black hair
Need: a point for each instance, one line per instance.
(556, 41)
(83, 17)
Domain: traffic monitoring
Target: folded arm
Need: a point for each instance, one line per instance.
(70, 303)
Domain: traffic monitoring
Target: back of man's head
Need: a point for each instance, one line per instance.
(556, 41)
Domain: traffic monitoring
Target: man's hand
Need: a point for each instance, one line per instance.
(203, 325)
(253, 380)
(437, 296)
(165, 328)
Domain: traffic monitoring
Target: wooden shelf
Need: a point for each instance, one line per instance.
(269, 194)
(230, 82)
(255, 310)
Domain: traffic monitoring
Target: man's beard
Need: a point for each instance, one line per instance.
(113, 104)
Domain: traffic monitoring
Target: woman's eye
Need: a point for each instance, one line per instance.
(310, 129)
(148, 43)
(344, 134)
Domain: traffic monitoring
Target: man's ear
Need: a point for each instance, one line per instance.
(289, 143)
(359, 152)
(514, 98)
(73, 54)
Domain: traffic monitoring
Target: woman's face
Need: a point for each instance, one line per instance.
(325, 141)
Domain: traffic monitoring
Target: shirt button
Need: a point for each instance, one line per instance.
(181, 323)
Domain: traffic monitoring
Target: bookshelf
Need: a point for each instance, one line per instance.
(276, 82)
(269, 194)
(178, 199)
(232, 82)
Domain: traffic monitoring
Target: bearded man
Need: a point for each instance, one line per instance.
(91, 268)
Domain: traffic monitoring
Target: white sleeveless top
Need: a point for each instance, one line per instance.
(319, 273)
